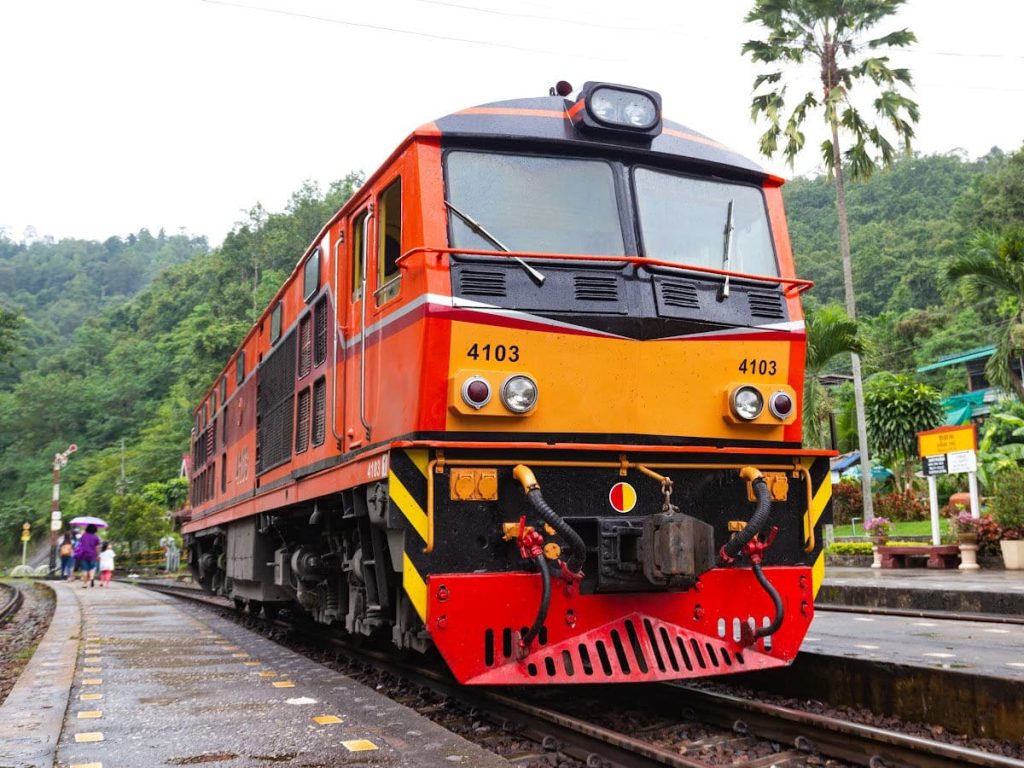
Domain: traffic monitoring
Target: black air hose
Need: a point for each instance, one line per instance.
(566, 531)
(772, 628)
(545, 600)
(735, 545)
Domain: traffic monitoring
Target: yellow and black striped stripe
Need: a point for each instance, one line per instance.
(407, 491)
(821, 498)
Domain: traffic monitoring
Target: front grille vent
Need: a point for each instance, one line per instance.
(596, 288)
(478, 282)
(679, 294)
(765, 304)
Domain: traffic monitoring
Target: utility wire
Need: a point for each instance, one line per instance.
(398, 30)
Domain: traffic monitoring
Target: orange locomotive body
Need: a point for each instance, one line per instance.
(531, 397)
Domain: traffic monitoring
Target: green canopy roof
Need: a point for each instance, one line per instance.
(962, 357)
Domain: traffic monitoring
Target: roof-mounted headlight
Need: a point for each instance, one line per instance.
(617, 110)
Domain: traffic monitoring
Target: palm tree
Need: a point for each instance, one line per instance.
(994, 266)
(830, 333)
(833, 34)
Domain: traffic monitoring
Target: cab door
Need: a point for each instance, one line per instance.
(358, 426)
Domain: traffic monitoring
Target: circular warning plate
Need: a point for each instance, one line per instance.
(622, 497)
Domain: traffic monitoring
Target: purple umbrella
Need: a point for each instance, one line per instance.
(87, 520)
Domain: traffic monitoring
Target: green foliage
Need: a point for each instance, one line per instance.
(1007, 503)
(10, 321)
(137, 522)
(849, 548)
(900, 505)
(830, 333)
(897, 408)
(993, 265)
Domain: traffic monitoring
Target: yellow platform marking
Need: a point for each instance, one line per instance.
(92, 681)
(421, 459)
(90, 697)
(87, 765)
(242, 655)
(415, 587)
(327, 719)
(230, 647)
(251, 663)
(85, 738)
(407, 504)
(92, 660)
(283, 684)
(90, 714)
(268, 673)
(91, 670)
(359, 745)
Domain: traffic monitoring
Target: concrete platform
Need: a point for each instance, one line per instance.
(982, 591)
(157, 682)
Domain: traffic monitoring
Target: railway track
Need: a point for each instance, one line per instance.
(670, 724)
(11, 600)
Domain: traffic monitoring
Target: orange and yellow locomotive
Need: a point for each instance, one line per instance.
(531, 397)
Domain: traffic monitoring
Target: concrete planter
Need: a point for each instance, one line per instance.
(1013, 554)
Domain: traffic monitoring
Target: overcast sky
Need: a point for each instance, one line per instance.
(122, 114)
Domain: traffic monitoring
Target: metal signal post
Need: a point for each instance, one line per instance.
(60, 460)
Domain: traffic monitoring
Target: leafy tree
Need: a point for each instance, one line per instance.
(832, 33)
(994, 265)
(830, 333)
(138, 522)
(898, 408)
(9, 323)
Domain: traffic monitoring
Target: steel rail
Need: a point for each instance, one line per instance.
(854, 742)
(13, 604)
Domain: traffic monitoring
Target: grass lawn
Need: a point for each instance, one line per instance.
(898, 530)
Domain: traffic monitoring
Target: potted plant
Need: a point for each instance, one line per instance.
(964, 526)
(878, 529)
(1007, 507)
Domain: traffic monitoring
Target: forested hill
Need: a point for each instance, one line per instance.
(904, 225)
(55, 286)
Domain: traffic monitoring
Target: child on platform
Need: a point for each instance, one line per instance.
(106, 565)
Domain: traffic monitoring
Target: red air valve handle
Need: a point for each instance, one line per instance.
(755, 548)
(531, 543)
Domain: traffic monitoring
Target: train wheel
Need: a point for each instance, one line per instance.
(270, 610)
(255, 606)
(239, 604)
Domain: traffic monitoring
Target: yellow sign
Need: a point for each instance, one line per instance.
(26, 536)
(935, 442)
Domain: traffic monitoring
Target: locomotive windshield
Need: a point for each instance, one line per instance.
(568, 205)
(684, 219)
(542, 204)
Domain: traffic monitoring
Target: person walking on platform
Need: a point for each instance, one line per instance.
(87, 554)
(67, 556)
(106, 564)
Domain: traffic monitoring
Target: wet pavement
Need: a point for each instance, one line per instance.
(156, 682)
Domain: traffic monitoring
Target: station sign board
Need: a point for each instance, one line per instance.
(947, 440)
(934, 465)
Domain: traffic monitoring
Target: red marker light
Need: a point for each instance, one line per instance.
(780, 404)
(476, 392)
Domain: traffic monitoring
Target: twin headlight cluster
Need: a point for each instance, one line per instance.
(617, 111)
(748, 402)
(518, 393)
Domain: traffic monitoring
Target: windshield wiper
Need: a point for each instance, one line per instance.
(723, 292)
(479, 230)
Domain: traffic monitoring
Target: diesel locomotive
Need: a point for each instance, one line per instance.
(531, 398)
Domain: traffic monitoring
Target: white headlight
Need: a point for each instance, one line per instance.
(519, 393)
(603, 106)
(747, 403)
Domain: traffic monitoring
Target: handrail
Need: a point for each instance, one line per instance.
(795, 285)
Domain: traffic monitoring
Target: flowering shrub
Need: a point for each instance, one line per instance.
(847, 502)
(962, 522)
(879, 526)
(985, 528)
(1007, 504)
(900, 505)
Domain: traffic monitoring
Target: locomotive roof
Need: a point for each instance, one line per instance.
(546, 119)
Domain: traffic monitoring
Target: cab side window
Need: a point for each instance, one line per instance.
(358, 254)
(389, 242)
